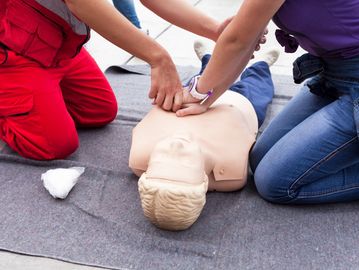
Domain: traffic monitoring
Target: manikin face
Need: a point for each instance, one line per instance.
(177, 158)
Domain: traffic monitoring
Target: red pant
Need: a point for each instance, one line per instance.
(40, 108)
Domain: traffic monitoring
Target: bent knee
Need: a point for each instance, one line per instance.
(270, 186)
(63, 147)
(110, 113)
(48, 147)
(40, 139)
(60, 141)
(58, 148)
(99, 117)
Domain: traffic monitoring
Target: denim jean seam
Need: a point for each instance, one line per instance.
(327, 192)
(321, 161)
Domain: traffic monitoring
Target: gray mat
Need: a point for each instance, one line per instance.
(101, 221)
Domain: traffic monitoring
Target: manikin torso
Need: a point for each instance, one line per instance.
(224, 134)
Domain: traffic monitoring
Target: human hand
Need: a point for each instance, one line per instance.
(181, 98)
(262, 40)
(165, 84)
(191, 109)
(190, 105)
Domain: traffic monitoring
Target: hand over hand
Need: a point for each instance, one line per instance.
(190, 105)
(165, 84)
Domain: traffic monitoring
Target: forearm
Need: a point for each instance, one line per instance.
(236, 45)
(224, 69)
(184, 15)
(102, 17)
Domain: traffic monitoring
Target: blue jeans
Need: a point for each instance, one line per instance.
(255, 84)
(310, 152)
(127, 8)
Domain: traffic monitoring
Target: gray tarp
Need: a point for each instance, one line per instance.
(101, 221)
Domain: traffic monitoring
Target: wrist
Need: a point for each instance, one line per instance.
(213, 30)
(160, 58)
(217, 31)
(200, 87)
(197, 94)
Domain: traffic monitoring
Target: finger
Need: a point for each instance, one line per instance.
(263, 40)
(153, 92)
(192, 110)
(178, 100)
(167, 104)
(159, 99)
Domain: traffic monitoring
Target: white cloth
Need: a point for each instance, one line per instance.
(59, 182)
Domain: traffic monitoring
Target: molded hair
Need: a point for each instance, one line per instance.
(170, 204)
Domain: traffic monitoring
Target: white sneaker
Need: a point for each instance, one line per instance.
(202, 48)
(270, 57)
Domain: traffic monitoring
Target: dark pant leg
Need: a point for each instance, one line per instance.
(257, 86)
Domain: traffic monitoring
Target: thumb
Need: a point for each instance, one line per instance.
(192, 110)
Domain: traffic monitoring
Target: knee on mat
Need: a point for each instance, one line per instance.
(65, 148)
(255, 157)
(101, 117)
(59, 146)
(109, 113)
(268, 185)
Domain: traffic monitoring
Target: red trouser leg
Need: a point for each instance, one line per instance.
(87, 93)
(35, 119)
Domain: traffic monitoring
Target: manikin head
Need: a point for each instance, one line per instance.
(173, 189)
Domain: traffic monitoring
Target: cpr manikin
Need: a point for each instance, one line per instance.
(179, 159)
